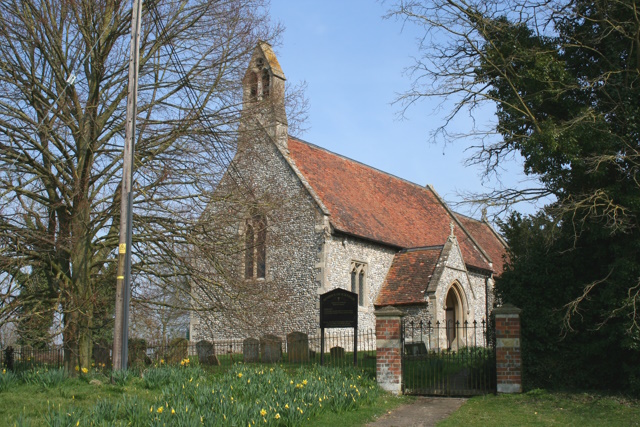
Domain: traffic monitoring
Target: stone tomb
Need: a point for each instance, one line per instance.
(251, 350)
(298, 347)
(271, 348)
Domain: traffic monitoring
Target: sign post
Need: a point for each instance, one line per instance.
(339, 309)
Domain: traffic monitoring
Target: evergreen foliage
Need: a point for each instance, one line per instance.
(565, 80)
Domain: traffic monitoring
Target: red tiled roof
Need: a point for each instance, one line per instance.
(487, 239)
(374, 205)
(409, 276)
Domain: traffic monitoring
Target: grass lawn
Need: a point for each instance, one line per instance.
(190, 396)
(541, 408)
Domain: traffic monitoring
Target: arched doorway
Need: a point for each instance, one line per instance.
(454, 315)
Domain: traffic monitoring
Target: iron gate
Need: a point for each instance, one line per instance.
(454, 359)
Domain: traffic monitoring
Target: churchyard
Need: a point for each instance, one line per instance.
(267, 395)
(185, 395)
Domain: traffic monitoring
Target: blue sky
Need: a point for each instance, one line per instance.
(353, 61)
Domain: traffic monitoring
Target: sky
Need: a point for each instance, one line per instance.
(353, 62)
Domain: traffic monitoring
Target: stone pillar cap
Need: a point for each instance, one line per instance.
(389, 311)
(507, 309)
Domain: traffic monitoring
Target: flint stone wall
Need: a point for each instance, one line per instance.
(295, 239)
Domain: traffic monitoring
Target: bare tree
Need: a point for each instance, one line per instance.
(63, 76)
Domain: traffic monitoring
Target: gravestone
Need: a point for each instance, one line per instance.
(298, 347)
(337, 352)
(271, 349)
(206, 353)
(415, 349)
(251, 350)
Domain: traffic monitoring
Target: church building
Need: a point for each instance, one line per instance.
(308, 220)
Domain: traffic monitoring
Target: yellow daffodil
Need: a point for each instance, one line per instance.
(239, 374)
(277, 417)
(160, 409)
(263, 412)
(85, 370)
(173, 411)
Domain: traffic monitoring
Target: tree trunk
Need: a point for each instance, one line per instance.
(69, 336)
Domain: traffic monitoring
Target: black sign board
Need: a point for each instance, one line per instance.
(339, 309)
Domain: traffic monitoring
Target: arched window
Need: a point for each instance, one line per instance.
(261, 246)
(358, 277)
(255, 242)
(265, 83)
(253, 86)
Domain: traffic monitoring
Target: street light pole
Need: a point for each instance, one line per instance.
(123, 282)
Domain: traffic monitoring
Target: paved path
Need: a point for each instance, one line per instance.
(424, 412)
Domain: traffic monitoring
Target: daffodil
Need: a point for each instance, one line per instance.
(239, 374)
(277, 417)
(160, 409)
(263, 412)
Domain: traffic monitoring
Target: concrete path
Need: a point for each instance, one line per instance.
(424, 412)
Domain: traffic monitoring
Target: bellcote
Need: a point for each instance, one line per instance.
(263, 94)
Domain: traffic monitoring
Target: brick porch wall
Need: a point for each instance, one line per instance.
(388, 349)
(508, 355)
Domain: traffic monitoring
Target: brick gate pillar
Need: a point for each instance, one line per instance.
(389, 349)
(508, 357)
